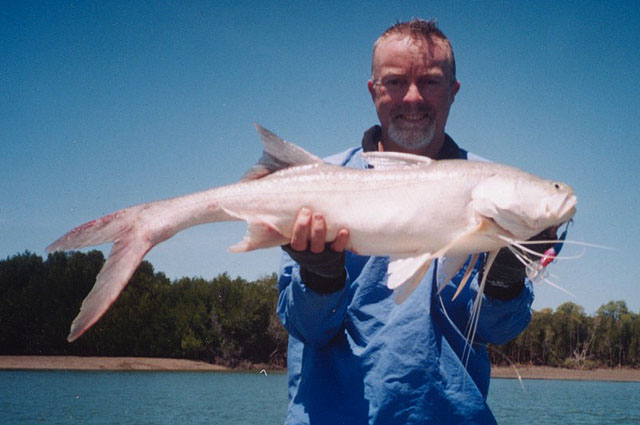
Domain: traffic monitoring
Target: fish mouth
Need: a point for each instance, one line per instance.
(567, 208)
(569, 214)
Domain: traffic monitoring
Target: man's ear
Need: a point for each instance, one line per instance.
(372, 90)
(454, 90)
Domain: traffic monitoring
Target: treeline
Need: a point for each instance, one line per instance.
(570, 338)
(224, 321)
(233, 321)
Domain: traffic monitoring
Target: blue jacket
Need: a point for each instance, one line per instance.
(355, 357)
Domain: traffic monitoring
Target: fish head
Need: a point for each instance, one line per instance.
(522, 204)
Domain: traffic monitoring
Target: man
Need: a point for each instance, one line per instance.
(355, 357)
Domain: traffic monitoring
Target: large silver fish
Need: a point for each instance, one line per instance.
(410, 208)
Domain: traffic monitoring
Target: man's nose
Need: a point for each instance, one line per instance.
(413, 94)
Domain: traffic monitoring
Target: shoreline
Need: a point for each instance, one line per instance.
(548, 372)
(105, 363)
(167, 364)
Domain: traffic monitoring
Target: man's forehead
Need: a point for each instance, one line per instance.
(397, 55)
(434, 70)
(395, 51)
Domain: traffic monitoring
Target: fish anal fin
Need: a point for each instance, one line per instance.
(260, 234)
(277, 154)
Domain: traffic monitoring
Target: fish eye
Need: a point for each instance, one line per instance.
(558, 186)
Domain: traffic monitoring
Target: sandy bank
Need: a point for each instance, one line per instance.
(544, 372)
(146, 363)
(104, 363)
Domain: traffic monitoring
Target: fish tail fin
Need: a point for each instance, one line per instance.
(129, 248)
(103, 230)
(125, 256)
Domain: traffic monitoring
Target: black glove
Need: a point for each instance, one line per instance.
(324, 273)
(505, 280)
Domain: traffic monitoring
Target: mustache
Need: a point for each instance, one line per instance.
(402, 111)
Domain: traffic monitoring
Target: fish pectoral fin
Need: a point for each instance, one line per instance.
(404, 274)
(447, 268)
(278, 154)
(465, 278)
(259, 234)
(392, 160)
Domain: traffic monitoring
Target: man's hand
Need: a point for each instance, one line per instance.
(321, 263)
(310, 230)
(505, 279)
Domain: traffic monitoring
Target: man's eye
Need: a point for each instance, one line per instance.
(431, 82)
(394, 82)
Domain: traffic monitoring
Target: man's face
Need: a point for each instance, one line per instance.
(412, 94)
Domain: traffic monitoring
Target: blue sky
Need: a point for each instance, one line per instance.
(109, 104)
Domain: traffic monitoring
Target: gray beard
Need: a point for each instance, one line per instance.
(412, 138)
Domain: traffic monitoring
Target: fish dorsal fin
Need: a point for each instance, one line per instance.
(390, 160)
(277, 154)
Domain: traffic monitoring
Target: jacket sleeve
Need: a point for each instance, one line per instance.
(498, 322)
(311, 317)
(501, 321)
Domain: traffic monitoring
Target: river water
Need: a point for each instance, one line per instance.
(81, 397)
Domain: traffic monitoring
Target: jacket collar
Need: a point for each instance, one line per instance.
(450, 149)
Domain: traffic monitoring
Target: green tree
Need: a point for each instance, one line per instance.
(610, 333)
